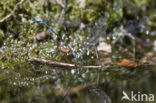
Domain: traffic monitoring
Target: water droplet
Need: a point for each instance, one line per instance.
(14, 83)
(73, 71)
(54, 77)
(83, 75)
(107, 73)
(147, 32)
(155, 45)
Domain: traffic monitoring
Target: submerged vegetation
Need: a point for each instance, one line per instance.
(109, 45)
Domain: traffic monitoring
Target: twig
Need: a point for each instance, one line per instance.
(58, 64)
(9, 15)
(97, 56)
(62, 20)
(59, 3)
(118, 11)
(62, 64)
(63, 15)
(49, 62)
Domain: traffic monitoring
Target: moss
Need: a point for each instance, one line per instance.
(1, 37)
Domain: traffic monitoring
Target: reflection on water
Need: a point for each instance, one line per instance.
(104, 86)
(111, 86)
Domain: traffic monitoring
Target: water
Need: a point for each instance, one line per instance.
(56, 85)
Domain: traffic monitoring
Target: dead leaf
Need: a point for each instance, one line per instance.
(66, 50)
(104, 47)
(99, 52)
(139, 46)
(128, 63)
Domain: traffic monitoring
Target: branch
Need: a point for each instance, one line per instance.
(49, 62)
(9, 15)
(58, 64)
